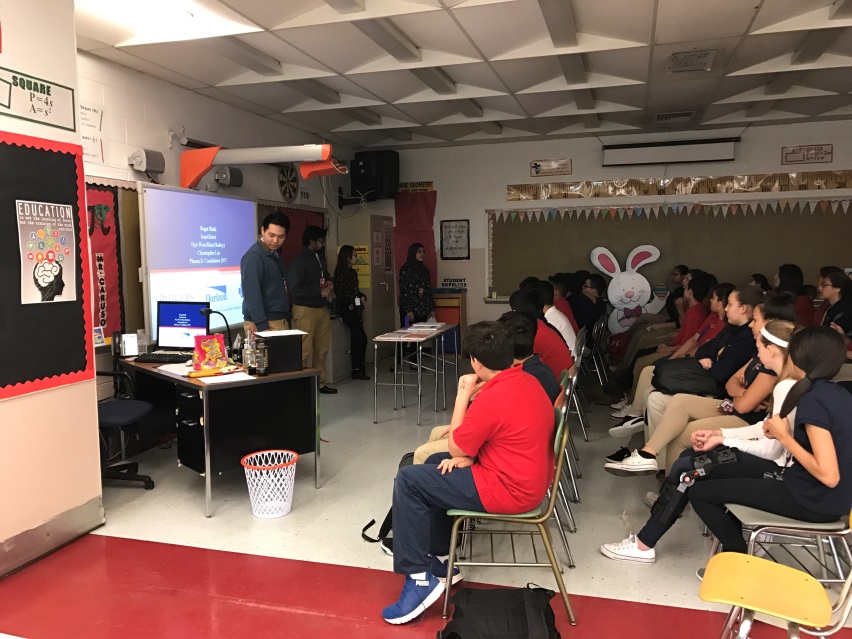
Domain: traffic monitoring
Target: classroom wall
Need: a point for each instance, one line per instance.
(50, 488)
(471, 179)
(140, 110)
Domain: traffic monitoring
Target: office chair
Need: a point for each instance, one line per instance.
(120, 412)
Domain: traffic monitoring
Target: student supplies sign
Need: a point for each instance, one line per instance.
(46, 242)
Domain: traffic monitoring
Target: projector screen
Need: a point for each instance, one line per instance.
(191, 250)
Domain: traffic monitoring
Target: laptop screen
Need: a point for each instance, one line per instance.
(179, 322)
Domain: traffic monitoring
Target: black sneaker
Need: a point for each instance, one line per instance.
(387, 545)
(618, 456)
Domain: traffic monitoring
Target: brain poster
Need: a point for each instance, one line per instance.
(46, 237)
(45, 286)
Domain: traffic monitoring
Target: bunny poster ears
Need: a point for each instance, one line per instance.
(605, 261)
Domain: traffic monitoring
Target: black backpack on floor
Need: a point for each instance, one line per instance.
(502, 613)
(387, 524)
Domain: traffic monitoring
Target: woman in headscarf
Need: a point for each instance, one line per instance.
(415, 287)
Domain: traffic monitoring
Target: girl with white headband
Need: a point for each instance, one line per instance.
(755, 451)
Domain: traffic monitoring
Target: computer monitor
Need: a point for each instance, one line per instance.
(179, 322)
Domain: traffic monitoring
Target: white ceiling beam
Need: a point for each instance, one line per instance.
(401, 135)
(346, 6)
(315, 91)
(364, 116)
(388, 36)
(468, 108)
(759, 109)
(584, 99)
(840, 10)
(814, 45)
(244, 55)
(573, 68)
(590, 121)
(781, 83)
(491, 128)
(436, 79)
(560, 22)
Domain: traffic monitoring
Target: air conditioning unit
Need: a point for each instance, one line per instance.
(674, 152)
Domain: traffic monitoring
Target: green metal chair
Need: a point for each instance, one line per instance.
(538, 518)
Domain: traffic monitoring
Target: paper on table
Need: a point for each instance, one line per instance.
(278, 333)
(175, 369)
(432, 326)
(225, 379)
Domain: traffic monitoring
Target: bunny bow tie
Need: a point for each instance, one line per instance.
(633, 312)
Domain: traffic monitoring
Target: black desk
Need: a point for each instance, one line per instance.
(217, 424)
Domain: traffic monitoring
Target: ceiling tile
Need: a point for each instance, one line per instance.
(662, 56)
(132, 62)
(234, 100)
(781, 10)
(689, 20)
(190, 59)
(270, 14)
(631, 20)
(339, 46)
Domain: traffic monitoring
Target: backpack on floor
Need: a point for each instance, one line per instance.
(503, 613)
(387, 525)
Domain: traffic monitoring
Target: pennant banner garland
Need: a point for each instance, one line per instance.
(726, 210)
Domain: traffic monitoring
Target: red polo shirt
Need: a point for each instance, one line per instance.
(711, 327)
(550, 346)
(509, 429)
(692, 321)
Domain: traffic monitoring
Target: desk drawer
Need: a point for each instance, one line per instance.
(189, 402)
(190, 441)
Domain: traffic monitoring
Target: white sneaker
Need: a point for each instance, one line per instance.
(628, 427)
(651, 498)
(621, 404)
(628, 550)
(633, 465)
(623, 412)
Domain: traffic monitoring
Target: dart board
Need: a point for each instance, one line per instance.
(288, 182)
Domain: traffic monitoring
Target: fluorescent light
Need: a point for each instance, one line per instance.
(152, 21)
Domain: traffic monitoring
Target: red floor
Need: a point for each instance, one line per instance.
(106, 587)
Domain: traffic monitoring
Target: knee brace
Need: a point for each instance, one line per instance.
(670, 502)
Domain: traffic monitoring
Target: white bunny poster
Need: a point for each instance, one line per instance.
(629, 292)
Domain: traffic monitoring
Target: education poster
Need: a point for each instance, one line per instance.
(102, 215)
(46, 239)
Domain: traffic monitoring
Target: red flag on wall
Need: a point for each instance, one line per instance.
(102, 218)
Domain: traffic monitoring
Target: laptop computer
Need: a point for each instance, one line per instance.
(178, 323)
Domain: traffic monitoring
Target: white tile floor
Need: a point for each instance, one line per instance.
(358, 466)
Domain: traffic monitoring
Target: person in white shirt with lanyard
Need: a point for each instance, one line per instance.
(310, 290)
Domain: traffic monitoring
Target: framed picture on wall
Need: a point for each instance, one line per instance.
(455, 240)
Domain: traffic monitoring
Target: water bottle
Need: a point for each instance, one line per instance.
(142, 341)
(261, 356)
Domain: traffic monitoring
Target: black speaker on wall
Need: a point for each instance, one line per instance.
(374, 175)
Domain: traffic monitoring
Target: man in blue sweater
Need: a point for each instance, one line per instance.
(266, 304)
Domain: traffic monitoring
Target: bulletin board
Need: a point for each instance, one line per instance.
(731, 241)
(45, 295)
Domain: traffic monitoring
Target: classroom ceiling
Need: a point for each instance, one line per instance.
(418, 73)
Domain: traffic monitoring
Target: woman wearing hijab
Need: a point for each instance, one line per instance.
(415, 288)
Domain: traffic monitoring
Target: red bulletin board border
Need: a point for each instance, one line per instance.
(88, 373)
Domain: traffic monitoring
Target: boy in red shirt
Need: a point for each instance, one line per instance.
(549, 344)
(501, 460)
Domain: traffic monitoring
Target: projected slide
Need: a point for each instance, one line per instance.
(193, 246)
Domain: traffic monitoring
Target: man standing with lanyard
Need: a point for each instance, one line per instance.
(311, 290)
(263, 278)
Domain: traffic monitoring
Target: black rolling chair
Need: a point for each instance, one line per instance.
(118, 413)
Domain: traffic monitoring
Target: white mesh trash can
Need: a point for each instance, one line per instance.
(270, 475)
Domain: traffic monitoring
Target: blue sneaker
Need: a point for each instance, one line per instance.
(439, 569)
(417, 595)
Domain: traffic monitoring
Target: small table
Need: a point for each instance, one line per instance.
(217, 424)
(418, 336)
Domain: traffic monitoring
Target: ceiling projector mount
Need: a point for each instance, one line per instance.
(314, 159)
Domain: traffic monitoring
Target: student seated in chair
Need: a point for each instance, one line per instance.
(500, 460)
(522, 329)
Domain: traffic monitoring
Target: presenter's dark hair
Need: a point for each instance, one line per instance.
(489, 342)
(522, 329)
(277, 218)
(819, 351)
(312, 234)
